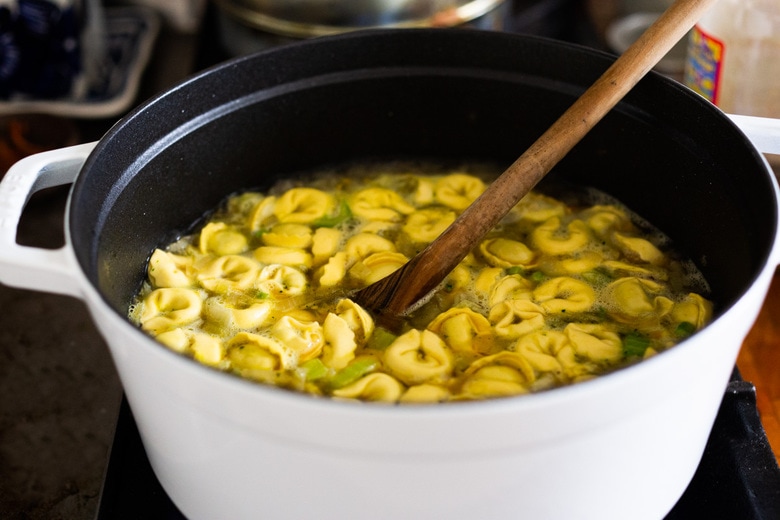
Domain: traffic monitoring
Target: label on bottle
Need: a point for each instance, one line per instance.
(704, 64)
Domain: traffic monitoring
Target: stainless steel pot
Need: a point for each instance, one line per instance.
(308, 18)
(621, 446)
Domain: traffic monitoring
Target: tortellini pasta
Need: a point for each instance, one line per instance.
(373, 387)
(170, 270)
(556, 294)
(380, 204)
(458, 190)
(419, 357)
(426, 224)
(168, 308)
(228, 273)
(221, 239)
(302, 205)
(553, 238)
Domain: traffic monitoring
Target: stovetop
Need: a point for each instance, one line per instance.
(738, 477)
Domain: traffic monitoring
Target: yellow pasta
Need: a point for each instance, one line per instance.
(177, 339)
(516, 318)
(247, 350)
(280, 280)
(603, 220)
(289, 256)
(227, 273)
(303, 205)
(502, 374)
(556, 294)
(693, 309)
(221, 239)
(425, 393)
(634, 299)
(373, 387)
(419, 357)
(165, 309)
(594, 342)
(325, 243)
(377, 265)
(553, 238)
(306, 338)
(340, 345)
(426, 224)
(639, 249)
(380, 204)
(494, 381)
(232, 316)
(293, 236)
(363, 245)
(537, 208)
(207, 349)
(458, 190)
(463, 330)
(504, 252)
(510, 287)
(170, 270)
(261, 214)
(333, 271)
(565, 294)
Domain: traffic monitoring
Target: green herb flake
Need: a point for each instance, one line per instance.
(635, 344)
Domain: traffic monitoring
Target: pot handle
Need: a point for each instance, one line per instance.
(763, 132)
(40, 269)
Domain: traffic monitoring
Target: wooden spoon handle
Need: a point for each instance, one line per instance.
(393, 295)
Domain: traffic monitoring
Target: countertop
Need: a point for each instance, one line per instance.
(759, 363)
(59, 393)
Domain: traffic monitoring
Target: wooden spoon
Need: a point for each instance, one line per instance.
(392, 296)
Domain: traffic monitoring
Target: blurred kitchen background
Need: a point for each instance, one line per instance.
(69, 69)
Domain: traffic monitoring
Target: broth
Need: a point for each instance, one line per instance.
(564, 289)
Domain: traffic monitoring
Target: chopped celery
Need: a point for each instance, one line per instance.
(684, 329)
(314, 369)
(635, 344)
(260, 232)
(597, 277)
(381, 339)
(352, 372)
(342, 216)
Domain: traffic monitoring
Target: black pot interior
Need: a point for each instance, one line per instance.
(445, 95)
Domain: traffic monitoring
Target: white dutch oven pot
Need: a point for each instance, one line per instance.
(621, 446)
